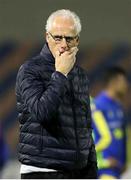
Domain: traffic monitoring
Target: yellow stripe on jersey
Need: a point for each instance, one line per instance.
(107, 176)
(103, 129)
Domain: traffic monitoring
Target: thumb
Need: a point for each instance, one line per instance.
(57, 54)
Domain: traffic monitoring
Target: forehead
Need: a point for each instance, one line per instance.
(120, 78)
(63, 26)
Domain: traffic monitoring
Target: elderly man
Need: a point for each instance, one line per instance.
(54, 107)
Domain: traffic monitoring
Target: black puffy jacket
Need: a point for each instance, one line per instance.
(54, 115)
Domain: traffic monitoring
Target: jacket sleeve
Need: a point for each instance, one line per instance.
(41, 102)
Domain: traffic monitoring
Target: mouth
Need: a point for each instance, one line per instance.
(62, 49)
(61, 52)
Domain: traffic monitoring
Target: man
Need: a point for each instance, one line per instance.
(54, 107)
(109, 124)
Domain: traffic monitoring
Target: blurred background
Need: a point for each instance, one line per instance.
(105, 40)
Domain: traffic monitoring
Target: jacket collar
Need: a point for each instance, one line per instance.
(46, 54)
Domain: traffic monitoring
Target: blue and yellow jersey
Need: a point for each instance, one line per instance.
(108, 130)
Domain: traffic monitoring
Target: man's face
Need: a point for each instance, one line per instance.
(62, 27)
(121, 86)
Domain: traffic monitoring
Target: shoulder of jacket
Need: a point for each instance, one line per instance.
(31, 64)
(81, 71)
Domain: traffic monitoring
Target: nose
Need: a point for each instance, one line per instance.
(64, 42)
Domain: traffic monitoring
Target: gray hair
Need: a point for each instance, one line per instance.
(67, 14)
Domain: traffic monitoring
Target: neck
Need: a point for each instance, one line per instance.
(113, 95)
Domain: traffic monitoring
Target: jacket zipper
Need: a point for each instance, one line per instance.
(74, 119)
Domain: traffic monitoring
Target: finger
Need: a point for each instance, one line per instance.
(57, 54)
(70, 52)
(73, 62)
(74, 49)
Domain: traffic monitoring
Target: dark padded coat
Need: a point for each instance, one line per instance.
(54, 115)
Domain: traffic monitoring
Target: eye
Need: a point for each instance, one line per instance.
(58, 38)
(69, 39)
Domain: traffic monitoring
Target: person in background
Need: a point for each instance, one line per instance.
(109, 124)
(54, 107)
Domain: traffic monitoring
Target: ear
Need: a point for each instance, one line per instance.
(47, 37)
(77, 41)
